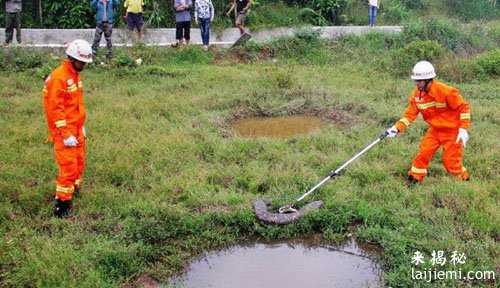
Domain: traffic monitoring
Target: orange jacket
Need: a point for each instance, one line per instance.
(63, 101)
(441, 106)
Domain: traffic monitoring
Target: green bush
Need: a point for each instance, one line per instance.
(426, 49)
(274, 15)
(471, 10)
(191, 54)
(305, 47)
(489, 62)
(494, 33)
(329, 9)
(404, 58)
(123, 60)
(446, 32)
(45, 70)
(308, 15)
(68, 14)
(453, 68)
(394, 12)
(17, 59)
(356, 12)
(413, 4)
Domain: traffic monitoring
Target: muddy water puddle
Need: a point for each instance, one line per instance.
(281, 264)
(277, 127)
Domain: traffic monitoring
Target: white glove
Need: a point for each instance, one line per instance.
(196, 20)
(84, 132)
(462, 135)
(70, 141)
(392, 132)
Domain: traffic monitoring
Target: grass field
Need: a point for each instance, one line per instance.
(167, 179)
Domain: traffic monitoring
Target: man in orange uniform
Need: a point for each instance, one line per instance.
(448, 115)
(65, 111)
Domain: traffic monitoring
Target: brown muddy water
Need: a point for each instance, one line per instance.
(283, 264)
(277, 127)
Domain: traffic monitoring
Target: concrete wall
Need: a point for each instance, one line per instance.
(166, 36)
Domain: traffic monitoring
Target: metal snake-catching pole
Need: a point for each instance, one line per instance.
(289, 208)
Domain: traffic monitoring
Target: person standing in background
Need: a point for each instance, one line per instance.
(242, 7)
(104, 20)
(133, 16)
(204, 15)
(13, 10)
(182, 21)
(372, 12)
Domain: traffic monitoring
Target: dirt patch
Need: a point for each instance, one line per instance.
(277, 127)
(31, 183)
(143, 281)
(7, 94)
(241, 55)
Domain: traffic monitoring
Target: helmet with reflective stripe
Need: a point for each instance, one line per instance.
(80, 50)
(423, 70)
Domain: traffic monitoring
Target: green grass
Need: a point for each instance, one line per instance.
(166, 179)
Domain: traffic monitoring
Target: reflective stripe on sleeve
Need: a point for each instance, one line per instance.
(60, 123)
(464, 116)
(405, 121)
(426, 105)
(72, 88)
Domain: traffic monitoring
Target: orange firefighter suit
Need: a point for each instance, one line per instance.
(444, 109)
(65, 112)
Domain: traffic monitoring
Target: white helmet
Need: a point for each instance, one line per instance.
(423, 70)
(80, 50)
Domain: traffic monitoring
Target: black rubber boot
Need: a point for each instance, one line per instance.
(412, 180)
(62, 209)
(77, 191)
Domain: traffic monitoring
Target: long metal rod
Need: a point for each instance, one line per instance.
(357, 156)
(336, 172)
(314, 188)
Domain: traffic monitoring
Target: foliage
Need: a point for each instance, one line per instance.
(404, 58)
(265, 13)
(489, 62)
(413, 4)
(19, 59)
(474, 10)
(329, 9)
(444, 31)
(310, 16)
(123, 60)
(155, 14)
(68, 14)
(395, 12)
(494, 33)
(274, 15)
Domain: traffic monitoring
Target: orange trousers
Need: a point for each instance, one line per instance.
(452, 153)
(71, 162)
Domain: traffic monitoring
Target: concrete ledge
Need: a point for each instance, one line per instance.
(166, 36)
